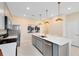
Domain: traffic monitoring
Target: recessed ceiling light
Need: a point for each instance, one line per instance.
(69, 8)
(28, 8)
(24, 14)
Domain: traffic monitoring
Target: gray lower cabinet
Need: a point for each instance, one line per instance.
(64, 50)
(48, 48)
(37, 42)
(43, 46)
(34, 41)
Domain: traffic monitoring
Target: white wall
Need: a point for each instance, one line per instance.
(25, 36)
(72, 24)
(1, 21)
(1, 15)
(53, 27)
(56, 28)
(72, 27)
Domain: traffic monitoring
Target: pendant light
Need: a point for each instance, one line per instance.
(58, 16)
(45, 22)
(40, 15)
(46, 12)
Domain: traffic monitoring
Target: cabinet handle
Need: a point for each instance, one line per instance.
(48, 44)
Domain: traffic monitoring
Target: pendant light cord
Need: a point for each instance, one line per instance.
(46, 12)
(59, 8)
(59, 19)
(40, 16)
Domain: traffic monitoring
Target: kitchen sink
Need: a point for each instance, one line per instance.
(43, 36)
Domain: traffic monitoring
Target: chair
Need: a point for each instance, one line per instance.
(1, 54)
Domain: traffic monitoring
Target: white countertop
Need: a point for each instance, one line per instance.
(54, 39)
(9, 37)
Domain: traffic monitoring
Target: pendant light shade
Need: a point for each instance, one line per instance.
(59, 17)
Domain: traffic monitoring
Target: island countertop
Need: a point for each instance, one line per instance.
(54, 39)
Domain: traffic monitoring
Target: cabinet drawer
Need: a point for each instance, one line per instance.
(47, 48)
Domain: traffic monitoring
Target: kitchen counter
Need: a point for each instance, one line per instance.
(8, 46)
(9, 37)
(51, 45)
(2, 32)
(54, 39)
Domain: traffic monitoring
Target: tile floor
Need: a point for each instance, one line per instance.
(27, 49)
(74, 51)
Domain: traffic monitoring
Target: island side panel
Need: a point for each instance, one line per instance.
(64, 50)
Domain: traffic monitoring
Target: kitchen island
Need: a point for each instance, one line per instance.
(52, 45)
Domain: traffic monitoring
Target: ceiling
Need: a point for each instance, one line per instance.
(37, 8)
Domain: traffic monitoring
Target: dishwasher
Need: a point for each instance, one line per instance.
(47, 48)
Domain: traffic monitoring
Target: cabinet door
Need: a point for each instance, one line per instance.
(36, 41)
(40, 44)
(61, 50)
(47, 48)
(33, 40)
